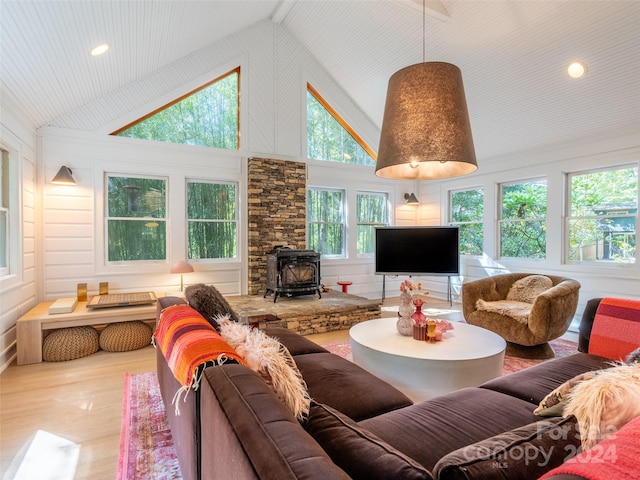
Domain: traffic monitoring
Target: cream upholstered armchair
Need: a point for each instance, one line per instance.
(528, 325)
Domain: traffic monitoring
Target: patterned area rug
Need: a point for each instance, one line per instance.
(146, 446)
(560, 346)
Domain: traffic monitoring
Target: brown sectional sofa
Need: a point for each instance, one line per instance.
(234, 426)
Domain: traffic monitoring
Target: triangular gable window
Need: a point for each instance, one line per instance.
(207, 116)
(330, 138)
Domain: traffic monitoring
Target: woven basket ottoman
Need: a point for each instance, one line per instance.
(70, 343)
(125, 336)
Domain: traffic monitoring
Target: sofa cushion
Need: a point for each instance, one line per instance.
(274, 441)
(348, 388)
(522, 453)
(534, 383)
(295, 343)
(453, 421)
(361, 454)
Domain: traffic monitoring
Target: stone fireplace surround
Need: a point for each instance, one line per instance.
(277, 194)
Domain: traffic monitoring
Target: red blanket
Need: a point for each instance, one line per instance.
(189, 342)
(616, 328)
(616, 457)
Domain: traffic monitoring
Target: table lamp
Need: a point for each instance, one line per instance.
(182, 267)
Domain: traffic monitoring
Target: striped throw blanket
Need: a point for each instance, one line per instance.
(189, 343)
(616, 328)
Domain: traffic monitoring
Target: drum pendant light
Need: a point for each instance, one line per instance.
(426, 132)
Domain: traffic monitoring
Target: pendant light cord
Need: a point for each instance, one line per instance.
(423, 29)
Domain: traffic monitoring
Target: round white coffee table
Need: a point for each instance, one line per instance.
(466, 357)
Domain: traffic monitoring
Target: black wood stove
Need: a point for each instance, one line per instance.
(292, 272)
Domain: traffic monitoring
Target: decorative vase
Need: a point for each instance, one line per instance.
(404, 324)
(418, 317)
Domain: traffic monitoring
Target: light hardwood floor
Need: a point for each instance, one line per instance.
(79, 403)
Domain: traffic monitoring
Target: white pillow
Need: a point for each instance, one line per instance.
(528, 288)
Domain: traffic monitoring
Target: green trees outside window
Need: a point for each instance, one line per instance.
(212, 222)
(328, 136)
(325, 221)
(207, 117)
(602, 216)
(466, 211)
(136, 219)
(371, 212)
(523, 219)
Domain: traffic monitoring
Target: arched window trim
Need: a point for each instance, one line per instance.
(341, 121)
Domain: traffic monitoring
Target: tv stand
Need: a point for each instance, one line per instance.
(449, 290)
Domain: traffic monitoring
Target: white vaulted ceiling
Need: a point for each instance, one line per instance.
(513, 56)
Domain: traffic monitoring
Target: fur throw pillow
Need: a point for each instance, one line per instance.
(209, 302)
(519, 311)
(605, 403)
(272, 361)
(528, 288)
(633, 357)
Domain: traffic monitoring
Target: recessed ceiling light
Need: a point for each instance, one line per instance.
(577, 70)
(100, 49)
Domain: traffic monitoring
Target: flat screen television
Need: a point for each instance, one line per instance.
(417, 250)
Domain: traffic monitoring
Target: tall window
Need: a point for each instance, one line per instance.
(325, 221)
(136, 218)
(371, 212)
(4, 212)
(212, 222)
(207, 116)
(523, 219)
(466, 211)
(602, 216)
(330, 138)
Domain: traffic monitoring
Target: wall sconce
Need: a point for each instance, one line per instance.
(64, 177)
(181, 267)
(411, 199)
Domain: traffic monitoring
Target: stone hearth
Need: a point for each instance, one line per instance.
(306, 314)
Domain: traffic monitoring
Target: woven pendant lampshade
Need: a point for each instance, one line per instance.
(426, 133)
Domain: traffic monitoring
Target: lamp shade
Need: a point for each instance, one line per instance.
(426, 132)
(181, 267)
(64, 177)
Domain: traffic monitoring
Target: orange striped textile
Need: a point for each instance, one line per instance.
(616, 328)
(189, 342)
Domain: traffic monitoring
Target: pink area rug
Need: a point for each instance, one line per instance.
(560, 346)
(146, 446)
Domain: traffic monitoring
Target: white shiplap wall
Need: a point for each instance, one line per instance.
(274, 72)
(552, 164)
(18, 289)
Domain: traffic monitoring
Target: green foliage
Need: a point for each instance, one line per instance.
(212, 222)
(467, 212)
(603, 210)
(523, 225)
(371, 212)
(208, 118)
(325, 217)
(328, 140)
(136, 226)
